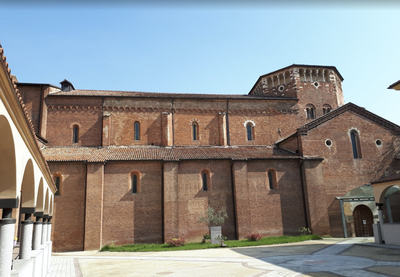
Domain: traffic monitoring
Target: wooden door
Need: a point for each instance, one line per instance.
(363, 221)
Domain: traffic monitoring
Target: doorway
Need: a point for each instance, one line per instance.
(363, 220)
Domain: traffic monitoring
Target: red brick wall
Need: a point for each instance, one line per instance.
(341, 172)
(127, 217)
(193, 201)
(31, 97)
(277, 211)
(64, 113)
(69, 207)
(94, 206)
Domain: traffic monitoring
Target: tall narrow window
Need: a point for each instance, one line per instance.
(58, 182)
(195, 131)
(137, 130)
(205, 183)
(272, 179)
(355, 144)
(134, 183)
(310, 111)
(75, 134)
(250, 131)
(205, 180)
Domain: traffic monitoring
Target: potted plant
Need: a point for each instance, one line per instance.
(214, 219)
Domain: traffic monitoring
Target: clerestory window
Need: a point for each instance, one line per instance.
(75, 134)
(136, 126)
(250, 131)
(195, 131)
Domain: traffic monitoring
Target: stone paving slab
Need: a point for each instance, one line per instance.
(312, 258)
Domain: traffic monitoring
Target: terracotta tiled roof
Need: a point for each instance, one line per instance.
(140, 94)
(390, 178)
(143, 153)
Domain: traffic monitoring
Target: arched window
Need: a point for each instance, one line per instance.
(75, 134)
(195, 131)
(310, 111)
(326, 109)
(57, 181)
(205, 180)
(355, 144)
(272, 179)
(250, 131)
(135, 182)
(136, 126)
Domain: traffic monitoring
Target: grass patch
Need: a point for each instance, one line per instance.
(199, 245)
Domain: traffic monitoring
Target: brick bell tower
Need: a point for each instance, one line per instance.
(317, 88)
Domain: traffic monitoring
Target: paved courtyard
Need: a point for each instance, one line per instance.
(329, 257)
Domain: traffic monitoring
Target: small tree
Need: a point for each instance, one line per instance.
(213, 217)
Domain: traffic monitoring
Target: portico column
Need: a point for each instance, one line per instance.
(7, 226)
(37, 233)
(26, 237)
(49, 229)
(381, 219)
(44, 232)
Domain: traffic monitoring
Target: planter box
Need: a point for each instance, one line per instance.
(215, 232)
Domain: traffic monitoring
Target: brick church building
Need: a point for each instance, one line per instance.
(135, 167)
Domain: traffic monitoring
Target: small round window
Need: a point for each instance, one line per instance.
(316, 84)
(281, 88)
(378, 142)
(328, 143)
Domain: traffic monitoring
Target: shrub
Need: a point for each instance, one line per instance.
(304, 231)
(207, 237)
(253, 237)
(213, 217)
(176, 242)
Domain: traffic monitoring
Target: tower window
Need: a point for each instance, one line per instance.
(250, 131)
(355, 144)
(326, 109)
(75, 134)
(310, 111)
(136, 130)
(195, 131)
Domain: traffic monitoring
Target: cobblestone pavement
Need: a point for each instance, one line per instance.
(329, 257)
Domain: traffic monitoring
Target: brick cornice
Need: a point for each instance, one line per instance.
(162, 110)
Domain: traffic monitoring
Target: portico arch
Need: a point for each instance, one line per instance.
(51, 205)
(28, 186)
(46, 203)
(40, 199)
(389, 232)
(8, 168)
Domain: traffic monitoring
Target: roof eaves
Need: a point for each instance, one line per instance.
(395, 85)
(36, 84)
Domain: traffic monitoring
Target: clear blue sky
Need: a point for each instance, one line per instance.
(205, 48)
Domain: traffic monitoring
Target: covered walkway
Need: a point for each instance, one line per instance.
(26, 187)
